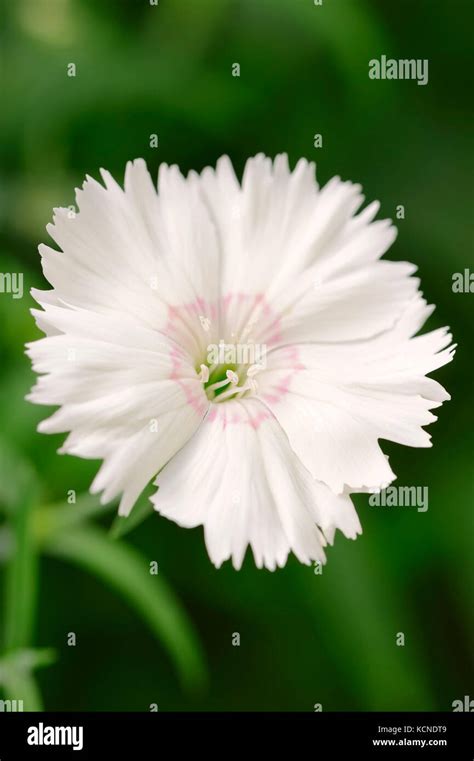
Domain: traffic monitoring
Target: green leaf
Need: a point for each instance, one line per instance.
(125, 570)
(18, 479)
(16, 676)
(141, 511)
(20, 494)
(64, 516)
(21, 685)
(26, 659)
(21, 581)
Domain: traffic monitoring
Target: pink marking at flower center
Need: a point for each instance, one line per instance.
(289, 358)
(235, 316)
(237, 320)
(225, 415)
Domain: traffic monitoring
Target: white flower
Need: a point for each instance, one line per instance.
(263, 453)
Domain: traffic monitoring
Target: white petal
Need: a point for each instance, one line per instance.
(279, 225)
(335, 401)
(129, 396)
(259, 222)
(136, 253)
(238, 477)
(353, 306)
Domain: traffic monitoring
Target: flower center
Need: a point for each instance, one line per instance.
(235, 379)
(227, 368)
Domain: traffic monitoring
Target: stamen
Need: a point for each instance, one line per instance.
(230, 392)
(251, 385)
(217, 385)
(204, 374)
(233, 377)
(229, 387)
(239, 391)
(253, 370)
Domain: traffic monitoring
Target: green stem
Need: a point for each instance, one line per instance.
(21, 579)
(21, 685)
(21, 589)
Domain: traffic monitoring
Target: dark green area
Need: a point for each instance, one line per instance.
(305, 638)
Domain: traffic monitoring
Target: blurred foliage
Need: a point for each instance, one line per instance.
(305, 638)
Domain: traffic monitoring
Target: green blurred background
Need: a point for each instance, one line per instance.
(305, 638)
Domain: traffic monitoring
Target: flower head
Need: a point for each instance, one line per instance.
(245, 342)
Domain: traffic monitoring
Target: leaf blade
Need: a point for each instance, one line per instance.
(125, 570)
